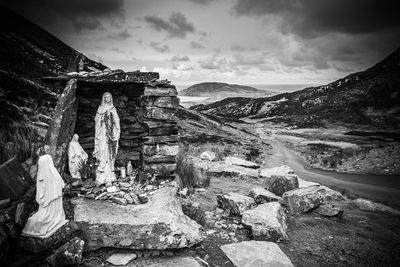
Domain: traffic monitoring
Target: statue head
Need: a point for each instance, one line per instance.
(75, 138)
(107, 99)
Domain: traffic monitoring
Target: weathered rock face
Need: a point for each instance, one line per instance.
(62, 125)
(330, 194)
(303, 199)
(68, 254)
(62, 235)
(158, 224)
(235, 202)
(262, 195)
(267, 221)
(241, 162)
(159, 107)
(256, 254)
(279, 180)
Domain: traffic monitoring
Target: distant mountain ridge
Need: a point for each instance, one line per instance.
(370, 97)
(216, 89)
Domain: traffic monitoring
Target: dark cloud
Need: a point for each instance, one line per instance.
(176, 26)
(337, 34)
(88, 23)
(180, 58)
(196, 45)
(160, 47)
(120, 35)
(202, 2)
(57, 14)
(309, 18)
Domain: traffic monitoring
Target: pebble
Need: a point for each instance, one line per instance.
(112, 189)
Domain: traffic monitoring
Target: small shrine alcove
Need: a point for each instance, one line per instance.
(145, 106)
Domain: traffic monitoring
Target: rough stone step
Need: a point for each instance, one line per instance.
(158, 224)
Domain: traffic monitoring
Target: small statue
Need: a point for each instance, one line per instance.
(50, 216)
(76, 157)
(129, 169)
(106, 139)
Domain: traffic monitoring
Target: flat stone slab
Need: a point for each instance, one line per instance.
(241, 162)
(121, 258)
(267, 221)
(157, 224)
(169, 262)
(256, 254)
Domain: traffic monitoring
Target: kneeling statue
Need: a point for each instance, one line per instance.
(50, 216)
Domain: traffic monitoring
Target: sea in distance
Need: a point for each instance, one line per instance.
(279, 88)
(188, 101)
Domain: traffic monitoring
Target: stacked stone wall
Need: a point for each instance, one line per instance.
(149, 134)
(160, 146)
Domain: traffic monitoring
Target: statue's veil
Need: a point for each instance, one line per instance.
(105, 106)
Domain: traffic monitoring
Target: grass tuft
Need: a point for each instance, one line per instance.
(19, 140)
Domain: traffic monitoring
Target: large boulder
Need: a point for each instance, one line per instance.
(330, 194)
(158, 224)
(235, 202)
(201, 171)
(267, 221)
(261, 195)
(279, 180)
(256, 254)
(241, 162)
(303, 199)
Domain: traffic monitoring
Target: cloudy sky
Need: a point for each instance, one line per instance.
(234, 41)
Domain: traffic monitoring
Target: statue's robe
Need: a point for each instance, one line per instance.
(50, 216)
(106, 116)
(76, 157)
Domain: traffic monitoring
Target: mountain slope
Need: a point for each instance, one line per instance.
(27, 53)
(369, 97)
(215, 89)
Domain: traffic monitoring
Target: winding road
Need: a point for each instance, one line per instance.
(382, 188)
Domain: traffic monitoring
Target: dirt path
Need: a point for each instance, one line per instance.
(380, 188)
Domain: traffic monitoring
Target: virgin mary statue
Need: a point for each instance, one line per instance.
(50, 216)
(106, 139)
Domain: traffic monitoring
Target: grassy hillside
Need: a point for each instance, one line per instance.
(369, 97)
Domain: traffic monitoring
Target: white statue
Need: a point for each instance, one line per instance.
(76, 156)
(50, 216)
(106, 139)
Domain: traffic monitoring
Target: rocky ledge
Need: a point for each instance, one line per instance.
(158, 224)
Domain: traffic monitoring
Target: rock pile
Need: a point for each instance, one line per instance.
(128, 191)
